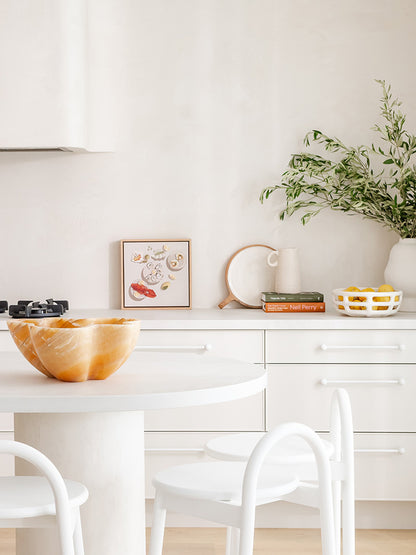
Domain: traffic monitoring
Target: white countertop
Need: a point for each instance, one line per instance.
(146, 381)
(241, 318)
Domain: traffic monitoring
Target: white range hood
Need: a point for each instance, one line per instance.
(44, 78)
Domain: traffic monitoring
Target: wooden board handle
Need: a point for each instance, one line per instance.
(227, 300)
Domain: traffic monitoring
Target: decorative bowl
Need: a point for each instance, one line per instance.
(75, 350)
(367, 303)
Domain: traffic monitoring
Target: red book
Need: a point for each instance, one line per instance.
(293, 307)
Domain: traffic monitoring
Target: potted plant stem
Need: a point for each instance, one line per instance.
(377, 182)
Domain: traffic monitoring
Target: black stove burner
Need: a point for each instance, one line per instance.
(3, 306)
(35, 309)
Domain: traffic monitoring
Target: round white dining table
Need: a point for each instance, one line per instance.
(94, 433)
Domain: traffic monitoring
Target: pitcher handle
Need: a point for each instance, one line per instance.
(273, 263)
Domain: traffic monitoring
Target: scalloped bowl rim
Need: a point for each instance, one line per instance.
(96, 360)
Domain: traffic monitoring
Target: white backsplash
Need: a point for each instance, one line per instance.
(208, 100)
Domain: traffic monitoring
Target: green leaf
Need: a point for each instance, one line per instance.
(352, 180)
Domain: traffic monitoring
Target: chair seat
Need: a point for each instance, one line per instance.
(32, 496)
(222, 481)
(238, 447)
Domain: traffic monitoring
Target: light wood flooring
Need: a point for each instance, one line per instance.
(211, 541)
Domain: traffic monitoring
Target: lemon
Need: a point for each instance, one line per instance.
(366, 290)
(386, 288)
(352, 288)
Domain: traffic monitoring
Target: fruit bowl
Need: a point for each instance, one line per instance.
(75, 350)
(367, 301)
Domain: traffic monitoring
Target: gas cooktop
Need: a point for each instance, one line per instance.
(35, 309)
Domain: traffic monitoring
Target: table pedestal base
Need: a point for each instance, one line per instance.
(104, 451)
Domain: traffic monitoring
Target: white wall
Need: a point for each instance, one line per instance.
(207, 99)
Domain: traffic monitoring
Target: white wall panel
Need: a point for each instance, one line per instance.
(210, 99)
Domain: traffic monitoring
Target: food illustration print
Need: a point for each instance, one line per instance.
(155, 270)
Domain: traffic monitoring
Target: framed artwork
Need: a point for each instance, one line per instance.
(156, 274)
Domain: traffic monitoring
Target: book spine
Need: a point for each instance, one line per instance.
(293, 307)
(292, 297)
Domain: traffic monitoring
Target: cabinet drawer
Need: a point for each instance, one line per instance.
(6, 461)
(382, 396)
(342, 346)
(164, 450)
(241, 415)
(384, 466)
(246, 345)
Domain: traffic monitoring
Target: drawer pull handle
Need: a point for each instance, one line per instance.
(399, 451)
(175, 450)
(206, 347)
(326, 381)
(399, 347)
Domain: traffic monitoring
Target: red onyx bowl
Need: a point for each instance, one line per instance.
(75, 350)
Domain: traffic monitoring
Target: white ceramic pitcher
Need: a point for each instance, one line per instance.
(287, 274)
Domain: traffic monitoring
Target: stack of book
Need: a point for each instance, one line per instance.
(306, 301)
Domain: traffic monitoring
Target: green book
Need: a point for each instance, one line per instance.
(302, 297)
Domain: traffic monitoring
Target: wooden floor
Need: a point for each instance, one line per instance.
(211, 541)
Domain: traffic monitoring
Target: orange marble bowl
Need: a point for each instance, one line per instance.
(75, 350)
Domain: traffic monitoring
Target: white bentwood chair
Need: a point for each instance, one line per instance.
(297, 456)
(228, 492)
(42, 501)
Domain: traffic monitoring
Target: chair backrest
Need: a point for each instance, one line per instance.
(341, 432)
(257, 458)
(51, 473)
(342, 437)
(341, 427)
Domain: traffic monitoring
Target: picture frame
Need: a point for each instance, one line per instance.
(155, 274)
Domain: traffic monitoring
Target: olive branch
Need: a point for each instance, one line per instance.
(350, 183)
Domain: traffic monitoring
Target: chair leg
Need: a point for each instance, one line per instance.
(65, 533)
(78, 541)
(246, 530)
(348, 518)
(158, 527)
(337, 514)
(328, 533)
(233, 541)
(246, 541)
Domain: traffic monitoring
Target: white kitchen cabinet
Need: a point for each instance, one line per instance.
(306, 357)
(384, 466)
(377, 368)
(167, 449)
(327, 346)
(46, 99)
(242, 415)
(382, 396)
(245, 345)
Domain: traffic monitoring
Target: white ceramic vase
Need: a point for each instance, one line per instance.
(287, 274)
(400, 272)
